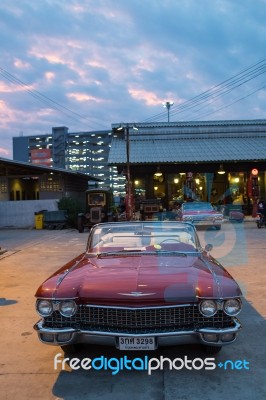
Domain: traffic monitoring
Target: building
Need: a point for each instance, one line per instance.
(86, 152)
(26, 181)
(178, 161)
(26, 188)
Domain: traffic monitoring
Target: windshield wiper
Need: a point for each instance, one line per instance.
(176, 252)
(137, 252)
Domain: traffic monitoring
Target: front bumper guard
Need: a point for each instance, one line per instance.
(207, 336)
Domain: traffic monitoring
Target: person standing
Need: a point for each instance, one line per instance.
(261, 207)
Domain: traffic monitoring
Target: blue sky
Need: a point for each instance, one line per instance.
(87, 64)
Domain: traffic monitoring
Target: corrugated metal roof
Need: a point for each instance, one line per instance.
(21, 168)
(197, 149)
(197, 124)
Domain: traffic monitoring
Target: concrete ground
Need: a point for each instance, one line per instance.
(26, 365)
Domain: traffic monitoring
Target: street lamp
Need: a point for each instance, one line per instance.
(129, 194)
(168, 105)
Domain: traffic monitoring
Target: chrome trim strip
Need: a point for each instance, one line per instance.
(140, 308)
(215, 278)
(234, 329)
(63, 275)
(57, 299)
(220, 298)
(237, 326)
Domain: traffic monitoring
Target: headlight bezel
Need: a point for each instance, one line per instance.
(232, 300)
(210, 301)
(49, 305)
(67, 314)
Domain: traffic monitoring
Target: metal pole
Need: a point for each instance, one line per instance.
(168, 105)
(129, 191)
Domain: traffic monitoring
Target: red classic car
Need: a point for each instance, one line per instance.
(201, 213)
(140, 285)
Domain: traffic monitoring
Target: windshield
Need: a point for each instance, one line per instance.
(143, 237)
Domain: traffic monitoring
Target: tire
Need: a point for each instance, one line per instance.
(259, 224)
(80, 225)
(218, 227)
(212, 349)
(70, 348)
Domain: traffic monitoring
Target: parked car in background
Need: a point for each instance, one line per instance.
(99, 205)
(138, 286)
(201, 213)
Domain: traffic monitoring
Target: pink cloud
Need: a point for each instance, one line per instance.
(84, 97)
(49, 76)
(21, 64)
(149, 98)
(4, 151)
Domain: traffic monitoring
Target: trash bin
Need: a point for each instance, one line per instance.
(38, 220)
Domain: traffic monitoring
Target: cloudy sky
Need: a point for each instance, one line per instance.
(86, 64)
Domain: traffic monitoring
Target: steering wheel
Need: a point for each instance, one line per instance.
(170, 240)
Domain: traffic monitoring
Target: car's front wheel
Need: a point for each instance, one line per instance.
(259, 224)
(212, 349)
(70, 348)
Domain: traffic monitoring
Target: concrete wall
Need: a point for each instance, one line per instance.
(20, 214)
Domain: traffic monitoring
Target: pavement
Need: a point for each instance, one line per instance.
(27, 366)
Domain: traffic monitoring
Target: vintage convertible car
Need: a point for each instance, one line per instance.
(201, 213)
(138, 286)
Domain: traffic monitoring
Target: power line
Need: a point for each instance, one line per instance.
(219, 90)
(233, 102)
(45, 100)
(230, 87)
(204, 99)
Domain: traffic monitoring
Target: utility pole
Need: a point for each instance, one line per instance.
(129, 205)
(129, 194)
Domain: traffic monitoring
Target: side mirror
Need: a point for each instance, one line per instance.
(208, 247)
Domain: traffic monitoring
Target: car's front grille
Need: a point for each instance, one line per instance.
(202, 218)
(142, 320)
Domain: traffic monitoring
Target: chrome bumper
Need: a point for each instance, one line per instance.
(207, 222)
(207, 336)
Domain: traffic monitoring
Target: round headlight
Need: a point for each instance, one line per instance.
(44, 307)
(232, 306)
(67, 308)
(208, 308)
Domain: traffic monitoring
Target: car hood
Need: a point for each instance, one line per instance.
(138, 279)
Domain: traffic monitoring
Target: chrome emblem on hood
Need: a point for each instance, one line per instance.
(136, 294)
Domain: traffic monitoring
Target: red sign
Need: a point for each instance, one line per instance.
(41, 157)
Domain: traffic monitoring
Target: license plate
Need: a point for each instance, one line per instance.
(136, 343)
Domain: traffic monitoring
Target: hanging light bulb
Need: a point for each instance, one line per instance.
(221, 170)
(158, 172)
